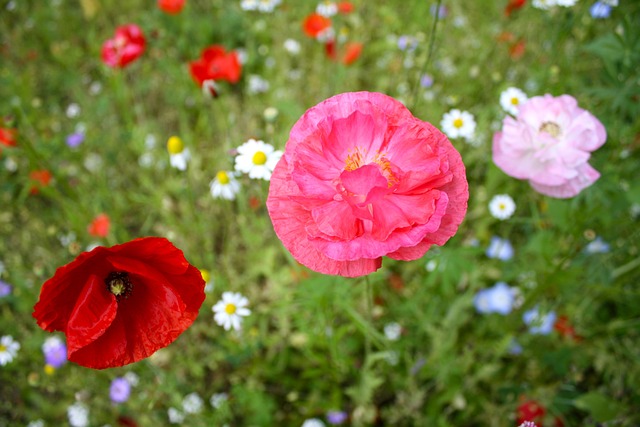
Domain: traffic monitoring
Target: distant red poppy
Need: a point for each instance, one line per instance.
(39, 178)
(352, 53)
(126, 46)
(530, 410)
(565, 329)
(172, 7)
(7, 138)
(315, 24)
(216, 63)
(120, 304)
(99, 227)
(517, 49)
(514, 5)
(345, 7)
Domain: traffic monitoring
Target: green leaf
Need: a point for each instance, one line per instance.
(598, 405)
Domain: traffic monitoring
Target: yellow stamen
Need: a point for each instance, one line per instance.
(502, 206)
(457, 123)
(117, 286)
(222, 177)
(259, 158)
(514, 101)
(175, 145)
(356, 159)
(551, 128)
(230, 308)
(2, 348)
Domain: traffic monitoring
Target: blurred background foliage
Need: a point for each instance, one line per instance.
(313, 343)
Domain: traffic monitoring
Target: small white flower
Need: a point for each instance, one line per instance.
(610, 2)
(544, 4)
(566, 3)
(392, 331)
(132, 378)
(511, 99)
(180, 160)
(257, 158)
(95, 88)
(327, 9)
(175, 416)
(326, 35)
(73, 111)
(313, 422)
(192, 403)
(257, 84)
(458, 124)
(78, 415)
(210, 88)
(8, 349)
(267, 6)
(292, 46)
(224, 186)
(230, 310)
(502, 206)
(249, 4)
(36, 423)
(51, 343)
(218, 399)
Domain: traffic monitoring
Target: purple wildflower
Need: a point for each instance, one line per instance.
(337, 417)
(75, 139)
(55, 352)
(120, 390)
(5, 289)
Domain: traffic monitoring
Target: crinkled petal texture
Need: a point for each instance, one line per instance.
(362, 178)
(105, 331)
(549, 143)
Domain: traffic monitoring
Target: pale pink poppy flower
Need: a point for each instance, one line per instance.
(362, 178)
(125, 47)
(549, 143)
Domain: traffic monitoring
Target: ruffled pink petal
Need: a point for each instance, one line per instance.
(289, 220)
(586, 176)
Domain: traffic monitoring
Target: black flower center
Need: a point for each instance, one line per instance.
(118, 284)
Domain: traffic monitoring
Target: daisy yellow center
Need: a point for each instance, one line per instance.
(222, 177)
(502, 206)
(175, 145)
(457, 123)
(514, 101)
(49, 370)
(230, 308)
(259, 158)
(551, 128)
(206, 276)
(3, 348)
(355, 159)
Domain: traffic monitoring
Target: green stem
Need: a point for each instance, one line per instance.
(425, 66)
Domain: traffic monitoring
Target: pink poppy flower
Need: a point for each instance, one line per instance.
(549, 144)
(362, 178)
(125, 47)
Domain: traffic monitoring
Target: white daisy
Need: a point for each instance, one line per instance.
(292, 46)
(313, 422)
(224, 186)
(8, 349)
(230, 310)
(249, 4)
(267, 5)
(179, 155)
(78, 415)
(458, 124)
(566, 3)
(192, 403)
(511, 99)
(257, 84)
(257, 158)
(544, 4)
(502, 206)
(327, 9)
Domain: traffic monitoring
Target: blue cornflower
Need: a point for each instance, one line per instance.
(5, 289)
(600, 10)
(75, 139)
(120, 390)
(337, 417)
(539, 324)
(597, 246)
(55, 352)
(498, 299)
(500, 249)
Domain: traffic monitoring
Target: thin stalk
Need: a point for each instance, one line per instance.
(425, 66)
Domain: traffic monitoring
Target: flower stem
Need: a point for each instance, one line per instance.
(425, 66)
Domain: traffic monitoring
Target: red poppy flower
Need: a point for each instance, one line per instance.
(352, 53)
(39, 178)
(120, 304)
(345, 7)
(99, 227)
(514, 5)
(517, 49)
(7, 138)
(126, 46)
(216, 64)
(530, 410)
(315, 24)
(172, 7)
(565, 329)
